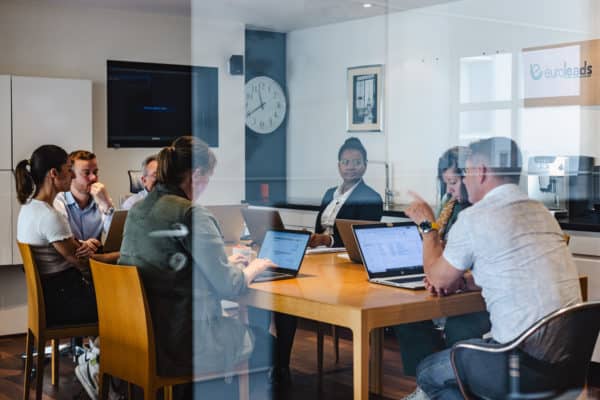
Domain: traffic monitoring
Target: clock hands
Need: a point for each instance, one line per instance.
(249, 113)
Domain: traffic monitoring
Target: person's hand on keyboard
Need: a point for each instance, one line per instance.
(256, 267)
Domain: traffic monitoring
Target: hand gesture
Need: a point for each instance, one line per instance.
(87, 248)
(238, 259)
(319, 239)
(100, 195)
(256, 267)
(418, 210)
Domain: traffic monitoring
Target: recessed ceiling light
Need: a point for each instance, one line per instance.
(367, 5)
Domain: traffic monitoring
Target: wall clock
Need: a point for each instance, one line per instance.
(266, 105)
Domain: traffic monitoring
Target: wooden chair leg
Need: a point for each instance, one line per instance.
(244, 384)
(28, 364)
(129, 391)
(336, 343)
(39, 368)
(168, 390)
(55, 362)
(320, 348)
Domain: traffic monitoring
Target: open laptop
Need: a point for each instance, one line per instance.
(230, 221)
(260, 220)
(392, 253)
(344, 227)
(114, 237)
(286, 249)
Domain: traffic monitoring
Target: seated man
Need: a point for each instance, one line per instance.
(87, 206)
(149, 167)
(519, 260)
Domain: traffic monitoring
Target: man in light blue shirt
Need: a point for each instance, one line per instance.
(87, 206)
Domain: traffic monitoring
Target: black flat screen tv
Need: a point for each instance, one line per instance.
(149, 105)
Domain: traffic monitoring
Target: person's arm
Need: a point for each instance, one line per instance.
(68, 249)
(442, 275)
(109, 258)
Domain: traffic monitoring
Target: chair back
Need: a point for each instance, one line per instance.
(124, 323)
(135, 181)
(36, 310)
(565, 339)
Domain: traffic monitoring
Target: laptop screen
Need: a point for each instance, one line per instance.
(393, 249)
(285, 248)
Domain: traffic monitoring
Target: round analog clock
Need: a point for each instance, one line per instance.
(265, 104)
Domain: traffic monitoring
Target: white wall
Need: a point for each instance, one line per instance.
(38, 39)
(421, 50)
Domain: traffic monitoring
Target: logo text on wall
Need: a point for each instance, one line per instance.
(538, 72)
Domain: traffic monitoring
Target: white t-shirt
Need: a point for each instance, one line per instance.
(39, 225)
(519, 257)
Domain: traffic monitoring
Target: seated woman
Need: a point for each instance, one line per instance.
(177, 246)
(420, 339)
(353, 199)
(61, 260)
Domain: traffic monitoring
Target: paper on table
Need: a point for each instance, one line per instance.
(323, 249)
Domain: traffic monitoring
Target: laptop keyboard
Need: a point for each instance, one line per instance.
(404, 280)
(271, 274)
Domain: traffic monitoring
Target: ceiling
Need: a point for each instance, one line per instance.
(276, 15)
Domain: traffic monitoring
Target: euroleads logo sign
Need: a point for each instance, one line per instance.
(565, 71)
(554, 72)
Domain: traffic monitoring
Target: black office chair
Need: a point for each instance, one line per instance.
(549, 359)
(135, 181)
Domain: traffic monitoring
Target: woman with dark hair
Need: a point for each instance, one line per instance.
(352, 199)
(62, 261)
(178, 248)
(420, 339)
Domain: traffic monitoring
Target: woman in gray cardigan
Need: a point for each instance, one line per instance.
(177, 246)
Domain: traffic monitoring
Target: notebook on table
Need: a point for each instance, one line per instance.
(392, 253)
(114, 237)
(344, 227)
(285, 248)
(260, 220)
(230, 221)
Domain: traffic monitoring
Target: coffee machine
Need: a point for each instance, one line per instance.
(562, 183)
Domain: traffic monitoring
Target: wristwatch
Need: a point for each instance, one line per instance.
(110, 211)
(428, 226)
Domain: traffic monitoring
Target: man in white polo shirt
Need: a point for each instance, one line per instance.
(517, 256)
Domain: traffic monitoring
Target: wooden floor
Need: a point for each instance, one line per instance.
(336, 383)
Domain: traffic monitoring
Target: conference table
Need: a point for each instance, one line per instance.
(332, 289)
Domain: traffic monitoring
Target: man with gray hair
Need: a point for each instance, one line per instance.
(516, 254)
(149, 167)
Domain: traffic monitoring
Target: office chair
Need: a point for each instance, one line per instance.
(555, 352)
(39, 332)
(135, 181)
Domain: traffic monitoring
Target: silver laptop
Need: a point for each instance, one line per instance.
(260, 220)
(344, 227)
(285, 248)
(392, 253)
(231, 221)
(114, 237)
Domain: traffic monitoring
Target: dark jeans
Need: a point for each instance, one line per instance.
(420, 339)
(285, 325)
(483, 374)
(68, 298)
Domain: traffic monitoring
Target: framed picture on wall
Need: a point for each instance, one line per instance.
(365, 98)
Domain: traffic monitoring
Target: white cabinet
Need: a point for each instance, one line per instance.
(585, 247)
(6, 231)
(5, 123)
(50, 111)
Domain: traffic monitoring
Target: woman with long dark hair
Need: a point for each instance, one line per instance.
(61, 260)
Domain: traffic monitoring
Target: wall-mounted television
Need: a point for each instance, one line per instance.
(149, 105)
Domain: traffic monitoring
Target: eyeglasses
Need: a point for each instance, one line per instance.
(355, 163)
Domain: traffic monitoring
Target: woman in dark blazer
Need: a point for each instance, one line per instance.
(353, 199)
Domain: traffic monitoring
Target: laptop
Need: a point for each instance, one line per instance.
(392, 253)
(344, 227)
(285, 248)
(230, 221)
(114, 237)
(260, 220)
